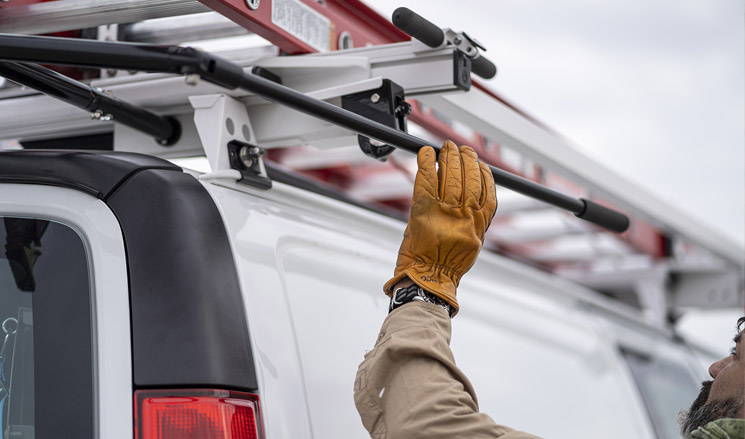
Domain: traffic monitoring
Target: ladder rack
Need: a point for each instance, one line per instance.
(664, 262)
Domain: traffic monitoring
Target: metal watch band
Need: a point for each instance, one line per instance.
(414, 292)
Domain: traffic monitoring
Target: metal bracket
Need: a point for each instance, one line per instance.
(385, 104)
(228, 138)
(707, 289)
(463, 42)
(246, 158)
(471, 50)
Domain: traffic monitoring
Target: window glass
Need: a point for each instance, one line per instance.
(46, 378)
(666, 387)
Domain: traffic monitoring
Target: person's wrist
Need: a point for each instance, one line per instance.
(406, 291)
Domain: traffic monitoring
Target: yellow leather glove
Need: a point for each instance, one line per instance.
(450, 212)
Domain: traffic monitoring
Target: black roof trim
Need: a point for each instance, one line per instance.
(97, 173)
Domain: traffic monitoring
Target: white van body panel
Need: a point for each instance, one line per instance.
(102, 237)
(307, 280)
(540, 365)
(312, 270)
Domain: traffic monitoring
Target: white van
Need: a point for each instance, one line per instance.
(140, 300)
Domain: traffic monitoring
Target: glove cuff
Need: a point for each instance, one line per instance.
(388, 287)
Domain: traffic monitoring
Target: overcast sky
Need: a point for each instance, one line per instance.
(654, 89)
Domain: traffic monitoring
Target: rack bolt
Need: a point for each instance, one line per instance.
(192, 79)
(402, 110)
(375, 98)
(249, 155)
(246, 157)
(100, 115)
(253, 4)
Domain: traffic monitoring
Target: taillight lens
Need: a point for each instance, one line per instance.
(196, 413)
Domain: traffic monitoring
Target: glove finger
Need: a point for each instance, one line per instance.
(425, 183)
(450, 174)
(472, 177)
(488, 194)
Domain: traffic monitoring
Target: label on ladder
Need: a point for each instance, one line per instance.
(303, 22)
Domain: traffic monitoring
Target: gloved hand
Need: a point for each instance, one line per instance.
(450, 212)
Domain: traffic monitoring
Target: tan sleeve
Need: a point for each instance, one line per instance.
(409, 387)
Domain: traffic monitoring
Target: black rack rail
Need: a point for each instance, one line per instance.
(185, 60)
(166, 130)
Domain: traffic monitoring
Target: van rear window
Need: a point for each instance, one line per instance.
(46, 368)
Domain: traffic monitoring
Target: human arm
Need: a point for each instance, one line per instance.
(409, 386)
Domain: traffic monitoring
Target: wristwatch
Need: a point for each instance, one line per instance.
(414, 292)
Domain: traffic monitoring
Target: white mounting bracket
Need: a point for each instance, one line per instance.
(707, 289)
(219, 120)
(463, 42)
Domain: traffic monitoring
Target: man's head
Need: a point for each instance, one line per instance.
(724, 397)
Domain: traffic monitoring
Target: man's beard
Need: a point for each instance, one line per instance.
(702, 413)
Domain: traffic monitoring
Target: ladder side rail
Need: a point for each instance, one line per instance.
(323, 26)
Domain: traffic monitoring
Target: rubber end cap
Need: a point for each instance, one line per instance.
(604, 217)
(175, 133)
(418, 27)
(483, 67)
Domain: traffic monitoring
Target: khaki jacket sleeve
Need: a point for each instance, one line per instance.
(409, 387)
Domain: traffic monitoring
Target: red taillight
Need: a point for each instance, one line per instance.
(196, 413)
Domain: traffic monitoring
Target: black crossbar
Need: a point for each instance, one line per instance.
(181, 60)
(165, 130)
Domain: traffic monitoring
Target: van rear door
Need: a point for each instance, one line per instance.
(166, 314)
